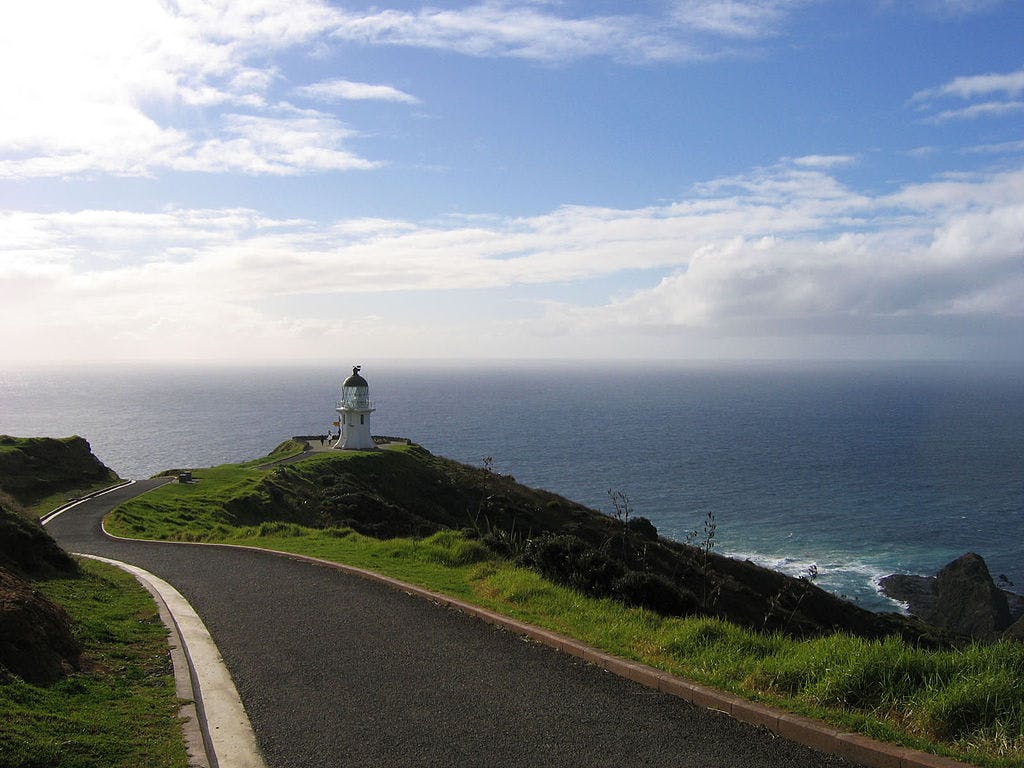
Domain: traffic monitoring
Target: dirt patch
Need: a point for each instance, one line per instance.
(25, 547)
(36, 642)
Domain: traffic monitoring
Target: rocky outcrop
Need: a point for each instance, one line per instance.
(1015, 631)
(962, 598)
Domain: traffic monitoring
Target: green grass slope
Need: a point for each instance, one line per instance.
(38, 469)
(118, 709)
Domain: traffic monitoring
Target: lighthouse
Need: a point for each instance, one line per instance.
(354, 411)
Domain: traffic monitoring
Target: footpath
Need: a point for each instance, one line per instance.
(334, 668)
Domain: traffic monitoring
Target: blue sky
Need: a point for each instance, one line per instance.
(300, 180)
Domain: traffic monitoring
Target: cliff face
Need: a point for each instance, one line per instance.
(32, 468)
(36, 640)
(414, 493)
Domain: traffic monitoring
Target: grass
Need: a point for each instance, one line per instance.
(285, 450)
(121, 710)
(41, 472)
(967, 704)
(54, 500)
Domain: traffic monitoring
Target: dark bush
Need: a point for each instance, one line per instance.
(654, 592)
(504, 543)
(571, 561)
(643, 528)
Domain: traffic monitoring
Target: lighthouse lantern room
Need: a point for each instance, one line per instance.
(354, 411)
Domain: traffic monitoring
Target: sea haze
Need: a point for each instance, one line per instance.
(860, 469)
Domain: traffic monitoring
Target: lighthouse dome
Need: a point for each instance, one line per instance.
(355, 380)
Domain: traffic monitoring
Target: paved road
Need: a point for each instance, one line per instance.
(339, 671)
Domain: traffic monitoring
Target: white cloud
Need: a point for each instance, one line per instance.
(732, 18)
(341, 90)
(296, 142)
(88, 88)
(824, 161)
(1003, 147)
(122, 86)
(690, 30)
(1010, 84)
(517, 31)
(783, 251)
(975, 111)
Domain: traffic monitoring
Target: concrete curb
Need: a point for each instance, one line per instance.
(215, 727)
(75, 502)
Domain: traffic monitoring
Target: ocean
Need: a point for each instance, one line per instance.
(860, 469)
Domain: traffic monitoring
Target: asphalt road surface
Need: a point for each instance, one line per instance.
(337, 671)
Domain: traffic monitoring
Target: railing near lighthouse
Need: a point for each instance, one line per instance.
(356, 403)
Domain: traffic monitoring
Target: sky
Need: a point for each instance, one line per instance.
(280, 181)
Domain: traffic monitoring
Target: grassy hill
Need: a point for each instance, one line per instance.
(40, 471)
(409, 492)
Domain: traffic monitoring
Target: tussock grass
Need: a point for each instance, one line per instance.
(967, 703)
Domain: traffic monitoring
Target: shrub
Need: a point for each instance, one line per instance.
(654, 592)
(571, 561)
(643, 528)
(279, 528)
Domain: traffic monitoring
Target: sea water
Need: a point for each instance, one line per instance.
(858, 469)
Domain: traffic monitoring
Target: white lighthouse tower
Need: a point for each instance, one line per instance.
(354, 411)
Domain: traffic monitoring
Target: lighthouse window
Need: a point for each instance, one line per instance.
(361, 418)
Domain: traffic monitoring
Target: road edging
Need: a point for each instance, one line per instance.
(44, 519)
(216, 728)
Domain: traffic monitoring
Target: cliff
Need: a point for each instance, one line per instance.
(36, 639)
(32, 468)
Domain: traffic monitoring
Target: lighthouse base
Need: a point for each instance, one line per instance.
(355, 431)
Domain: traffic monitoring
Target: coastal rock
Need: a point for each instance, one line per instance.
(969, 602)
(1015, 631)
(962, 598)
(918, 592)
(1015, 603)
